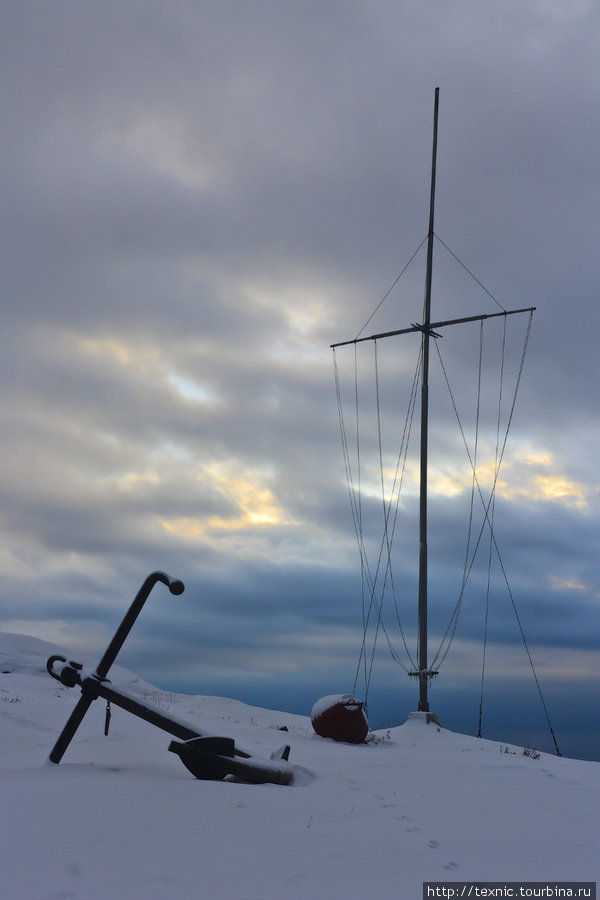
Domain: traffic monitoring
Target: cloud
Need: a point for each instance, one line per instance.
(198, 201)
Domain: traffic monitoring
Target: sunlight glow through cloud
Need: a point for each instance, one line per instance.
(534, 476)
(568, 584)
(245, 491)
(192, 390)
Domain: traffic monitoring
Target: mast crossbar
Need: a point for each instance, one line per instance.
(433, 325)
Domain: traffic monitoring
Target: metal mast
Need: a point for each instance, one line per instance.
(424, 674)
(427, 329)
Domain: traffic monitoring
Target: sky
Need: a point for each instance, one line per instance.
(199, 198)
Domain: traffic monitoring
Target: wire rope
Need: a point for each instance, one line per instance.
(374, 600)
(391, 288)
(357, 522)
(468, 271)
(489, 571)
(387, 538)
(451, 629)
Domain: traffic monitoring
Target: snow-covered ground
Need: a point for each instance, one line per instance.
(121, 818)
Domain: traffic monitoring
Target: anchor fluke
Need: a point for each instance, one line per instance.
(212, 758)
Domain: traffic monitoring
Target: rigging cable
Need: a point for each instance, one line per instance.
(468, 271)
(391, 288)
(493, 538)
(473, 479)
(402, 456)
(518, 618)
(405, 442)
(487, 595)
(387, 540)
(356, 509)
(357, 521)
(486, 506)
(360, 530)
(491, 503)
(355, 504)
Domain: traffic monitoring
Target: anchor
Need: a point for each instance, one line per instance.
(206, 756)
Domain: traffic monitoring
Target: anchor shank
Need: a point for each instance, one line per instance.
(174, 585)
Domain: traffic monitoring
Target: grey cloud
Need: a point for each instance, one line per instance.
(208, 195)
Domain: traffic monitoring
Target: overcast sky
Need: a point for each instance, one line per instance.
(198, 199)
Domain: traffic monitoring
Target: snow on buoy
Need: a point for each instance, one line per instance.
(341, 717)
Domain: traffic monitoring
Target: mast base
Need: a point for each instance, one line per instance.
(428, 718)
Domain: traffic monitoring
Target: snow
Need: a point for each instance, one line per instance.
(325, 703)
(120, 817)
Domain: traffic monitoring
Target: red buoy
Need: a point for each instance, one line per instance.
(341, 717)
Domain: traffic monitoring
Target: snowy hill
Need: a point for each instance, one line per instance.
(120, 817)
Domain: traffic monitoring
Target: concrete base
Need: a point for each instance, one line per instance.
(428, 717)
